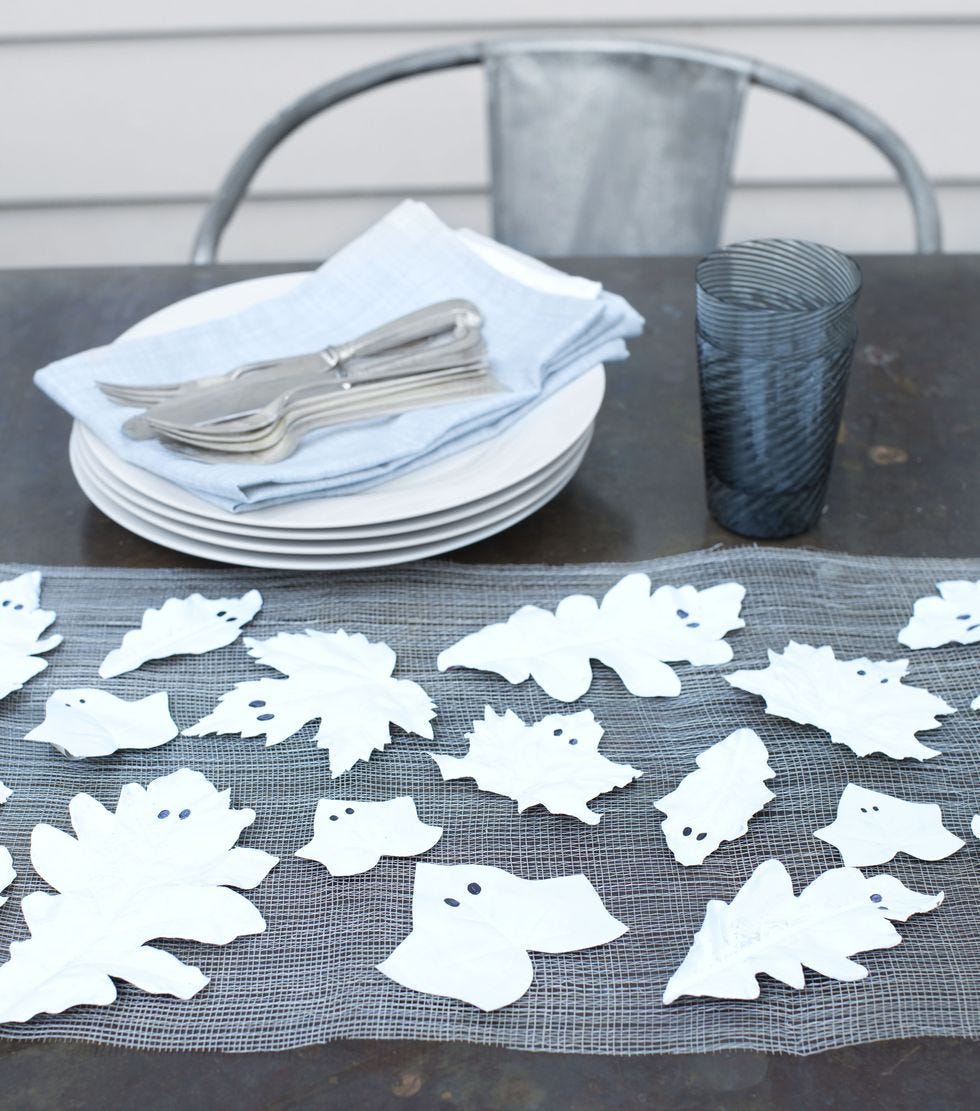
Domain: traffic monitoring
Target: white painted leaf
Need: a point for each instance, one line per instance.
(182, 626)
(21, 626)
(350, 837)
(860, 703)
(473, 925)
(872, 827)
(7, 873)
(632, 632)
(975, 704)
(5, 792)
(89, 722)
(161, 866)
(952, 618)
(975, 825)
(766, 929)
(343, 680)
(555, 762)
(715, 803)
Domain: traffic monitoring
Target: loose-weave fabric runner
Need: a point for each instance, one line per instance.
(311, 977)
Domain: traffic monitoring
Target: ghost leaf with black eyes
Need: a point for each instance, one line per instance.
(555, 762)
(715, 803)
(21, 626)
(161, 866)
(350, 837)
(473, 925)
(861, 703)
(341, 679)
(86, 722)
(872, 827)
(182, 626)
(768, 929)
(633, 632)
(952, 618)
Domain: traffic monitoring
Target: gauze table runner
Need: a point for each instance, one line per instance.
(311, 977)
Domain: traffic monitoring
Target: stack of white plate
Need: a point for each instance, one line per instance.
(456, 501)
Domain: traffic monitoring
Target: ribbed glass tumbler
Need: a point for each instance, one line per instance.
(775, 332)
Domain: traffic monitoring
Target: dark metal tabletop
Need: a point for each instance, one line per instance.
(904, 483)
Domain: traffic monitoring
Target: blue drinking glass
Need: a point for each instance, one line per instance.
(775, 333)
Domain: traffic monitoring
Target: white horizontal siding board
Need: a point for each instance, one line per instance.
(94, 17)
(861, 220)
(153, 118)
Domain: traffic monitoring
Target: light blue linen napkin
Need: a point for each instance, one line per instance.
(538, 342)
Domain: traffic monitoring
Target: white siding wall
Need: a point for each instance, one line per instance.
(118, 119)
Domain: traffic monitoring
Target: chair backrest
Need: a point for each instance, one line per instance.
(597, 147)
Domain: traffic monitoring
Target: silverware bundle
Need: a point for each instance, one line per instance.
(259, 412)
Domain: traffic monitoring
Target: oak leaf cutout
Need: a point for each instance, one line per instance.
(21, 626)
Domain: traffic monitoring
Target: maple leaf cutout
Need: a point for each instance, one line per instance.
(7, 873)
(161, 866)
(21, 626)
(555, 762)
(341, 679)
(861, 703)
(765, 928)
(952, 618)
(182, 626)
(633, 632)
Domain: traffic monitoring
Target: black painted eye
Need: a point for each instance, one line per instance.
(687, 831)
(184, 814)
(6, 602)
(257, 704)
(334, 817)
(876, 898)
(683, 614)
(474, 888)
(874, 807)
(19, 606)
(700, 837)
(558, 732)
(349, 810)
(81, 700)
(862, 672)
(451, 902)
(864, 810)
(573, 740)
(221, 613)
(265, 717)
(164, 814)
(884, 680)
(231, 619)
(694, 624)
(959, 617)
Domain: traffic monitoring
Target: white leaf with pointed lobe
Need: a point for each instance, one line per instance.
(5, 792)
(767, 929)
(633, 632)
(21, 626)
(161, 866)
(872, 827)
(952, 618)
(555, 762)
(350, 837)
(341, 679)
(182, 626)
(7, 873)
(86, 722)
(860, 703)
(473, 925)
(715, 803)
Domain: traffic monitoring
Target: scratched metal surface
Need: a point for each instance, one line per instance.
(904, 484)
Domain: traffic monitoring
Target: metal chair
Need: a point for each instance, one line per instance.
(597, 147)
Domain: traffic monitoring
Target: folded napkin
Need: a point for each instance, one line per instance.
(538, 340)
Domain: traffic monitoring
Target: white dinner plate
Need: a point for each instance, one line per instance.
(209, 550)
(81, 444)
(438, 507)
(554, 479)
